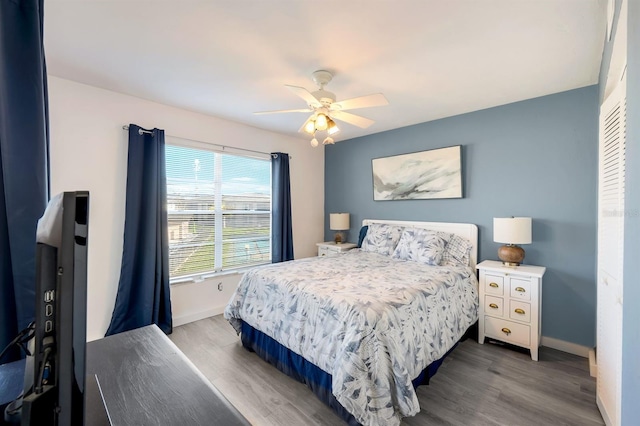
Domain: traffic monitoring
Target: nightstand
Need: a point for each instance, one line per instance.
(332, 249)
(510, 304)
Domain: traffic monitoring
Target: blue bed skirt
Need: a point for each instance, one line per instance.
(318, 380)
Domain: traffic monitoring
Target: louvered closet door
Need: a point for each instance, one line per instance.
(610, 252)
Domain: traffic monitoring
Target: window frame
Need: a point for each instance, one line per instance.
(219, 213)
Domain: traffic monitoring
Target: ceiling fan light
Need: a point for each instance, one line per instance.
(328, 141)
(310, 127)
(321, 122)
(314, 142)
(332, 127)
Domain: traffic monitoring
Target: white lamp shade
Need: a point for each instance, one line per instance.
(339, 221)
(512, 230)
(332, 127)
(321, 122)
(310, 126)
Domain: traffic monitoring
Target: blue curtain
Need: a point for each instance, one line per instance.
(143, 291)
(24, 157)
(281, 232)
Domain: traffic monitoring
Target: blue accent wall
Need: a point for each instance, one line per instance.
(535, 158)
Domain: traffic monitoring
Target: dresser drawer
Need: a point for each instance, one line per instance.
(520, 289)
(333, 249)
(494, 306)
(507, 331)
(329, 249)
(494, 284)
(520, 311)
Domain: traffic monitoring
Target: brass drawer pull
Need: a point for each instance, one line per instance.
(493, 305)
(519, 311)
(506, 331)
(521, 290)
(494, 285)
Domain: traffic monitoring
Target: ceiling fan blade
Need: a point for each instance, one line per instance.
(305, 94)
(347, 117)
(374, 100)
(283, 110)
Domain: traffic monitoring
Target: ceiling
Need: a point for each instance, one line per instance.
(431, 59)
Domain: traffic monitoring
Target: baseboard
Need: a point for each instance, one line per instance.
(561, 345)
(593, 365)
(196, 316)
(603, 412)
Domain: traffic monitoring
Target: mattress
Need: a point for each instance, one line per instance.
(373, 323)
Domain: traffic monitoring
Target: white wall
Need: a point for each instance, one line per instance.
(89, 152)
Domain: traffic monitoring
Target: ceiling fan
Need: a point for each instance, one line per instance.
(324, 108)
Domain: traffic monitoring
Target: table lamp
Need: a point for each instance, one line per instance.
(511, 231)
(339, 222)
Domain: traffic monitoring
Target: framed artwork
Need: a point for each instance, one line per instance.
(436, 173)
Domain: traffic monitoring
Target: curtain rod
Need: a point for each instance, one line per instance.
(141, 131)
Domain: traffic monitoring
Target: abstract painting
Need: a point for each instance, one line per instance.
(421, 175)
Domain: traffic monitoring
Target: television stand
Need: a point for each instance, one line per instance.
(146, 380)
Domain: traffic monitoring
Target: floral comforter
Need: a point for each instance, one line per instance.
(372, 322)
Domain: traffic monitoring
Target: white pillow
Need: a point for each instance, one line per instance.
(421, 245)
(381, 238)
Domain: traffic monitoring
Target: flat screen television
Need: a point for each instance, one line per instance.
(54, 390)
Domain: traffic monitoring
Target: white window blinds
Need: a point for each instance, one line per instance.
(219, 211)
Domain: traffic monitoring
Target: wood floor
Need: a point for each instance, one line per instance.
(476, 385)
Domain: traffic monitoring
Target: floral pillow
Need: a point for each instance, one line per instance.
(381, 238)
(421, 245)
(457, 251)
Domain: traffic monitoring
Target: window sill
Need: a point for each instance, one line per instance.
(193, 279)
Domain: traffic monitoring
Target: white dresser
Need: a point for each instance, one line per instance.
(510, 304)
(332, 249)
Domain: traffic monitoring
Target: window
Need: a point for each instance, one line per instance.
(219, 211)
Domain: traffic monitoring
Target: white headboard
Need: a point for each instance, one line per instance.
(465, 230)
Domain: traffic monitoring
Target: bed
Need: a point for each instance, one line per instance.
(363, 329)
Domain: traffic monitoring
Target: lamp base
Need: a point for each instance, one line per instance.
(511, 255)
(338, 238)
